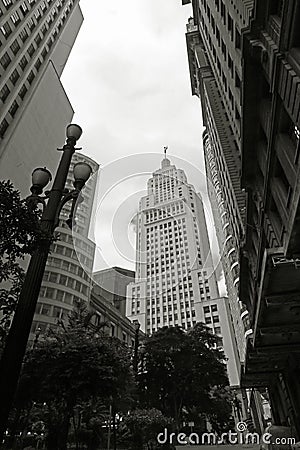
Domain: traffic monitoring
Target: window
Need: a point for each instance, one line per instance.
(24, 34)
(31, 25)
(230, 25)
(14, 77)
(223, 48)
(24, 8)
(237, 39)
(214, 308)
(31, 50)
(15, 18)
(49, 292)
(68, 298)
(22, 91)
(3, 127)
(237, 114)
(208, 320)
(38, 39)
(216, 319)
(37, 64)
(4, 93)
(15, 47)
(56, 312)
(5, 60)
(223, 12)
(7, 3)
(70, 282)
(112, 328)
(237, 80)
(230, 64)
(13, 109)
(6, 30)
(59, 295)
(45, 310)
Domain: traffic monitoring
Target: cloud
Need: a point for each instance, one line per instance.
(128, 80)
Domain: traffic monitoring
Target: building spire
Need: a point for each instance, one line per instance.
(165, 151)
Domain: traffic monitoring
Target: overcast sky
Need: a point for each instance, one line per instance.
(128, 80)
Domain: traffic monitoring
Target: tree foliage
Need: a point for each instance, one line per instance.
(19, 235)
(183, 374)
(74, 371)
(144, 426)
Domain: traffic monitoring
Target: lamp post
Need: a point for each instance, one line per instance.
(136, 347)
(52, 202)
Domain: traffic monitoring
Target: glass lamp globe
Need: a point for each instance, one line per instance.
(82, 171)
(74, 131)
(41, 177)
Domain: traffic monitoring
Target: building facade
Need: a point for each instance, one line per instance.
(114, 322)
(68, 273)
(175, 280)
(112, 283)
(36, 37)
(270, 253)
(214, 55)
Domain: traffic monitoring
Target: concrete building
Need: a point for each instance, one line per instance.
(68, 273)
(270, 253)
(112, 286)
(36, 37)
(116, 324)
(214, 55)
(175, 281)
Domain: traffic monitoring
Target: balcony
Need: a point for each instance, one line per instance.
(276, 319)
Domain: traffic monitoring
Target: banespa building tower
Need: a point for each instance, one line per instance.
(175, 282)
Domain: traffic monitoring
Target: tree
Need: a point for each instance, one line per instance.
(144, 426)
(73, 370)
(19, 236)
(182, 372)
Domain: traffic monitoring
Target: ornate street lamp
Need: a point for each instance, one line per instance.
(52, 204)
(137, 326)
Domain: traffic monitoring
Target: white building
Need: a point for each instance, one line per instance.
(36, 38)
(68, 273)
(214, 43)
(175, 281)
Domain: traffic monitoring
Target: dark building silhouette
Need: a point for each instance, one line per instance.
(244, 61)
(270, 249)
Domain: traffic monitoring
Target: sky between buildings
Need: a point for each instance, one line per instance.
(128, 81)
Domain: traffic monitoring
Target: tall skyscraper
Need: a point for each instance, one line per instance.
(36, 37)
(244, 65)
(214, 54)
(175, 281)
(67, 276)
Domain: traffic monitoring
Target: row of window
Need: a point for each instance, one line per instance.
(185, 326)
(226, 55)
(76, 269)
(164, 212)
(64, 280)
(57, 312)
(58, 295)
(70, 253)
(6, 60)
